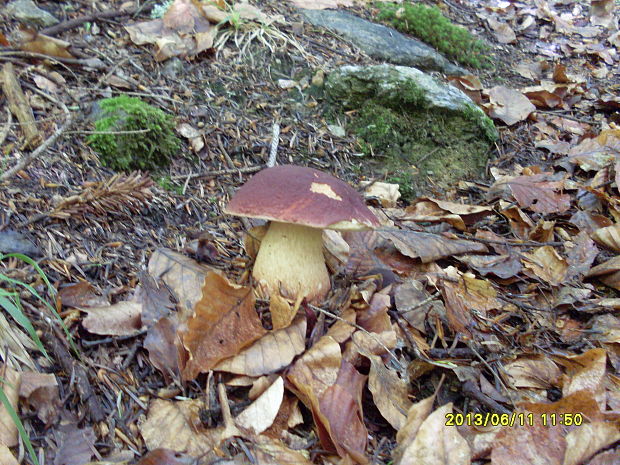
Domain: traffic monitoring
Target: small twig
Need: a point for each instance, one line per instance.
(19, 106)
(41, 148)
(508, 242)
(107, 340)
(72, 23)
(210, 174)
(473, 391)
(275, 139)
(90, 62)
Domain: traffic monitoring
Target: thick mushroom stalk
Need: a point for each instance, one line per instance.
(290, 261)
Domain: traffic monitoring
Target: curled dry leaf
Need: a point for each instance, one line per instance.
(262, 412)
(433, 210)
(547, 264)
(416, 415)
(594, 154)
(120, 319)
(608, 237)
(40, 391)
(165, 348)
(435, 443)
(75, 445)
(578, 402)
(502, 31)
(272, 352)
(539, 193)
(282, 312)
(389, 392)
(6, 457)
(183, 275)
(534, 371)
(340, 410)
(586, 372)
(509, 105)
(388, 194)
(527, 444)
(81, 294)
(429, 247)
(462, 293)
(224, 322)
(166, 457)
(176, 425)
(587, 440)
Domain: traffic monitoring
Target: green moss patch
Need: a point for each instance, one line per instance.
(430, 26)
(122, 148)
(412, 147)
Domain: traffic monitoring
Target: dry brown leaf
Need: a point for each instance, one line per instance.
(537, 372)
(163, 456)
(6, 457)
(528, 444)
(165, 348)
(581, 256)
(586, 372)
(463, 293)
(10, 381)
(183, 31)
(81, 294)
(282, 312)
(546, 264)
(434, 210)
(509, 105)
(602, 12)
(29, 40)
(183, 275)
(389, 392)
(587, 440)
(609, 457)
(520, 223)
(429, 247)
(388, 194)
(416, 415)
(435, 443)
(40, 392)
(316, 370)
(340, 408)
(75, 445)
(224, 322)
(539, 193)
(120, 319)
(176, 425)
(502, 266)
(594, 154)
(408, 298)
(502, 31)
(272, 352)
(270, 451)
(608, 237)
(262, 412)
(582, 402)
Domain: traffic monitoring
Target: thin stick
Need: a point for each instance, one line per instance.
(211, 174)
(70, 24)
(275, 138)
(44, 146)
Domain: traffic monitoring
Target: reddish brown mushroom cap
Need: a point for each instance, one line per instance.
(304, 196)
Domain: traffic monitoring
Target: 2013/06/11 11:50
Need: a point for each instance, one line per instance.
(513, 419)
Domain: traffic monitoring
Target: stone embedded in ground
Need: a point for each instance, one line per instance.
(413, 120)
(26, 11)
(382, 42)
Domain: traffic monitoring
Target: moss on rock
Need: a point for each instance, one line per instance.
(120, 148)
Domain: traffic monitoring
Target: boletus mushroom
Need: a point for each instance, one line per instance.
(299, 202)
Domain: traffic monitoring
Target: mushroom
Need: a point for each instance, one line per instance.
(299, 202)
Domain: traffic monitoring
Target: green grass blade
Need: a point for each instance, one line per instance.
(21, 319)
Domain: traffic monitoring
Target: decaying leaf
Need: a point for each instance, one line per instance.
(176, 425)
(509, 105)
(224, 322)
(272, 352)
(547, 264)
(429, 247)
(389, 392)
(10, 382)
(40, 392)
(120, 319)
(262, 412)
(436, 443)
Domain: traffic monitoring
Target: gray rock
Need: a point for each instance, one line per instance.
(26, 11)
(172, 68)
(14, 242)
(381, 42)
(351, 86)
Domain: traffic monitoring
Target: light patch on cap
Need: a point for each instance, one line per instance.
(325, 189)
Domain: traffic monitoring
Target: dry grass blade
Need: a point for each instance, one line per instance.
(120, 193)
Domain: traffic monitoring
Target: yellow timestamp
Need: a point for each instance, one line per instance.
(513, 419)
